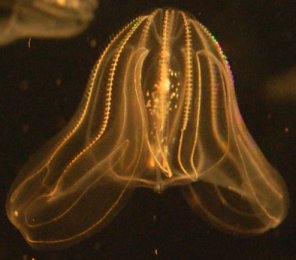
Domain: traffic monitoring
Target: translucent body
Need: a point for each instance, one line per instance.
(159, 110)
(44, 18)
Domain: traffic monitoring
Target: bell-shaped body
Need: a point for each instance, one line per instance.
(44, 18)
(159, 110)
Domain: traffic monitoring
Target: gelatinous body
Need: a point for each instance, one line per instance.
(44, 18)
(159, 110)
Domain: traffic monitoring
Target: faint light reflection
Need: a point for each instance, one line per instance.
(281, 86)
(44, 18)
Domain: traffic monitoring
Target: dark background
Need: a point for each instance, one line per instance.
(40, 88)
